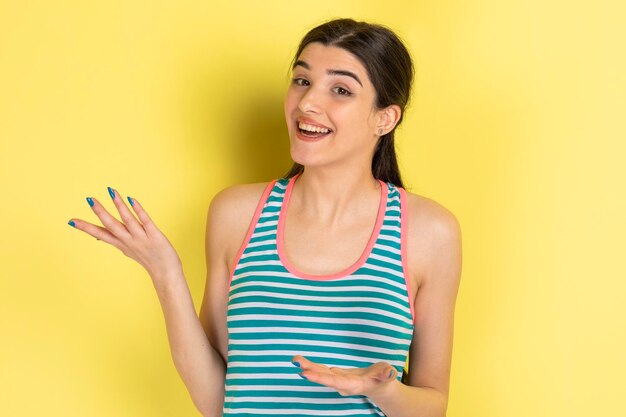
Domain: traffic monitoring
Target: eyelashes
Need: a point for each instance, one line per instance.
(301, 82)
(340, 89)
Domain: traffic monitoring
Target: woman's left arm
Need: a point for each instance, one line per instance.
(434, 254)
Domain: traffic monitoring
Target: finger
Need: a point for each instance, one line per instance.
(100, 233)
(111, 223)
(145, 220)
(129, 219)
(305, 364)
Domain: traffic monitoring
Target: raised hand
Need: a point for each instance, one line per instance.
(136, 237)
(353, 381)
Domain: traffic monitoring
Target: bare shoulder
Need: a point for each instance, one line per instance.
(229, 216)
(239, 198)
(434, 239)
(428, 215)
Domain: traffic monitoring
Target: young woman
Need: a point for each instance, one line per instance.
(319, 284)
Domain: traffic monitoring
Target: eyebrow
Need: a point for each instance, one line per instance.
(330, 71)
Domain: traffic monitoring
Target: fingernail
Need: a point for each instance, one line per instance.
(296, 363)
(391, 373)
(111, 192)
(71, 223)
(131, 201)
(90, 201)
(303, 377)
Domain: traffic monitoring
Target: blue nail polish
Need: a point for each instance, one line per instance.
(131, 201)
(296, 363)
(71, 223)
(390, 373)
(90, 201)
(303, 377)
(111, 192)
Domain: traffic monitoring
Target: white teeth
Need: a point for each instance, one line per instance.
(312, 128)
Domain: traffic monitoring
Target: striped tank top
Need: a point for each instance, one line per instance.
(353, 318)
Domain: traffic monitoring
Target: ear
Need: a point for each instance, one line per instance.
(387, 119)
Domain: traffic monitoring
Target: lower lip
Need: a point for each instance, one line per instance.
(300, 136)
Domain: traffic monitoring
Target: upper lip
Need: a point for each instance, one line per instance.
(310, 122)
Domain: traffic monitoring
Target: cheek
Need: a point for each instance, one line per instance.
(290, 105)
(292, 97)
(355, 117)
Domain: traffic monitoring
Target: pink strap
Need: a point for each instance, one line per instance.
(251, 227)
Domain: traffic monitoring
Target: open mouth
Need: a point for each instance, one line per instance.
(311, 131)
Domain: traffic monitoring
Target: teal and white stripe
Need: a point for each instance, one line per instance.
(349, 321)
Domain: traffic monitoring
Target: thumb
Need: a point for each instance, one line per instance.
(387, 373)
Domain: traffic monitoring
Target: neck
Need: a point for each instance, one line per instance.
(332, 194)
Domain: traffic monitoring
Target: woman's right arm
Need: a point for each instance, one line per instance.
(228, 220)
(196, 360)
(198, 363)
(199, 343)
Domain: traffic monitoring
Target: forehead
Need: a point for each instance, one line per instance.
(321, 58)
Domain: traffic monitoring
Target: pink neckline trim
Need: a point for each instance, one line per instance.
(404, 233)
(349, 270)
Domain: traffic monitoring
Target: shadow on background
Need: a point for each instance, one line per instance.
(262, 144)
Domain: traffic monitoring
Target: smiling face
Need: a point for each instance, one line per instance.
(329, 108)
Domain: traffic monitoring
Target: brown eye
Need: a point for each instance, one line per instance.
(342, 91)
(300, 81)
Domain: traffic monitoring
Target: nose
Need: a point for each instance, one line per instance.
(310, 101)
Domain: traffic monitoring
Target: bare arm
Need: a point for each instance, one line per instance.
(200, 343)
(227, 222)
(197, 362)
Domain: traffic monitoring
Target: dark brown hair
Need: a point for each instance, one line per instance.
(389, 68)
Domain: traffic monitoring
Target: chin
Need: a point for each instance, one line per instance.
(306, 157)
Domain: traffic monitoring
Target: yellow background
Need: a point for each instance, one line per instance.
(516, 125)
